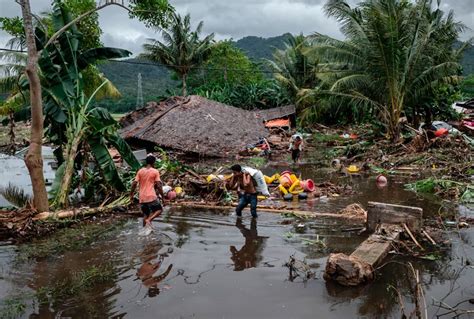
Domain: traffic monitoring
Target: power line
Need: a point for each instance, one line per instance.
(12, 50)
(158, 64)
(140, 101)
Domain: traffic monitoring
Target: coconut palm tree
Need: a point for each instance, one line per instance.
(181, 49)
(294, 68)
(395, 52)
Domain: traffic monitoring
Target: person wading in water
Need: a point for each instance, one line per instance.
(248, 181)
(149, 182)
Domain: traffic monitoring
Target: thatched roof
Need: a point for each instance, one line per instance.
(194, 124)
(276, 113)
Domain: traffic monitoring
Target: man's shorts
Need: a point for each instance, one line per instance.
(295, 154)
(151, 207)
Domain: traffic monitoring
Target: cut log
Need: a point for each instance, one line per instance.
(382, 213)
(348, 270)
(358, 268)
(375, 248)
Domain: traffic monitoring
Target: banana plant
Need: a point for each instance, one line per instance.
(71, 119)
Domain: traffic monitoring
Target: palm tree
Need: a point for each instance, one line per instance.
(181, 49)
(294, 68)
(395, 52)
(11, 69)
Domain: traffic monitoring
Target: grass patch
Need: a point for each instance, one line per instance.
(257, 161)
(324, 138)
(69, 239)
(12, 307)
(80, 282)
(462, 192)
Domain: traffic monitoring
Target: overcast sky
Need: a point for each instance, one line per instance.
(230, 19)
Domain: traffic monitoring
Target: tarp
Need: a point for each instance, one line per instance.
(278, 123)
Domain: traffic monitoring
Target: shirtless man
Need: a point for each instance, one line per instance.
(244, 182)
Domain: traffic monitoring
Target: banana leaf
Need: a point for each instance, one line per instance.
(124, 149)
(91, 56)
(58, 177)
(100, 119)
(106, 164)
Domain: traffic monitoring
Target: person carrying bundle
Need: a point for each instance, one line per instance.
(249, 182)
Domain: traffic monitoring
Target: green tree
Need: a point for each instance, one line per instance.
(467, 86)
(33, 158)
(73, 122)
(226, 64)
(294, 68)
(395, 53)
(14, 27)
(182, 49)
(89, 26)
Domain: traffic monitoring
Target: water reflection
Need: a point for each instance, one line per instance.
(250, 255)
(151, 261)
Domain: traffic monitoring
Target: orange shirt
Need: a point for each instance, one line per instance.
(146, 178)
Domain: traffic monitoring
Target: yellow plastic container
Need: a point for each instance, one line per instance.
(178, 190)
(285, 180)
(210, 178)
(283, 190)
(293, 186)
(353, 169)
(271, 179)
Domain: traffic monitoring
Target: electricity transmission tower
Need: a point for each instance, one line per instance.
(139, 92)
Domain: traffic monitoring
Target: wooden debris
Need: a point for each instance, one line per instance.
(299, 213)
(348, 270)
(412, 237)
(382, 213)
(385, 220)
(428, 236)
(375, 248)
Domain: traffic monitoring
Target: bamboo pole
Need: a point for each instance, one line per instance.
(91, 211)
(299, 213)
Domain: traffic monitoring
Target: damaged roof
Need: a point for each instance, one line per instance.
(276, 113)
(194, 124)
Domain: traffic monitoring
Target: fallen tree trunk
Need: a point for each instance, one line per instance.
(71, 213)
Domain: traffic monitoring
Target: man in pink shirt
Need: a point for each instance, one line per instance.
(148, 180)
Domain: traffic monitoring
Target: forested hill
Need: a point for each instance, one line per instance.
(258, 48)
(468, 61)
(156, 80)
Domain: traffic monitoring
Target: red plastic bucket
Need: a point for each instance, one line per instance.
(308, 185)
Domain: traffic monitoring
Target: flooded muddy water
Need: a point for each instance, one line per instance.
(13, 171)
(203, 264)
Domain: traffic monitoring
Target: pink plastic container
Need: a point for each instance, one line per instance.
(308, 185)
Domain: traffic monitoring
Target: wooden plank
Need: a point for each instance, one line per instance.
(375, 248)
(382, 213)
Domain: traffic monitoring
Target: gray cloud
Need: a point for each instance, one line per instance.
(232, 19)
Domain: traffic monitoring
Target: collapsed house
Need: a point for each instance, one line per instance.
(193, 125)
(280, 118)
